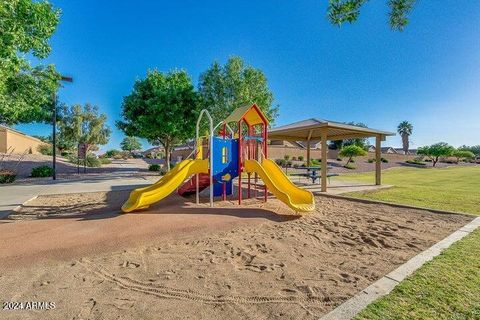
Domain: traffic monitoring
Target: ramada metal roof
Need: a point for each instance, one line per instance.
(312, 129)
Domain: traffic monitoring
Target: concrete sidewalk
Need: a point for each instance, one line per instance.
(12, 196)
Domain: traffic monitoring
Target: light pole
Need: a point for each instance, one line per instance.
(54, 128)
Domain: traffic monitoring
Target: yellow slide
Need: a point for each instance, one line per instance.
(280, 185)
(143, 197)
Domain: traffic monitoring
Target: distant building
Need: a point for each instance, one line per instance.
(15, 141)
(410, 151)
(384, 150)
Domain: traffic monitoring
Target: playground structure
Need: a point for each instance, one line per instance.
(228, 155)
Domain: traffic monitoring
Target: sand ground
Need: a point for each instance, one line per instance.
(181, 261)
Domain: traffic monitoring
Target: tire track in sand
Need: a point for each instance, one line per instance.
(181, 294)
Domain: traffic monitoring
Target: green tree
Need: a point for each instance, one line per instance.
(26, 91)
(361, 142)
(162, 108)
(225, 88)
(130, 143)
(436, 151)
(474, 149)
(83, 124)
(405, 130)
(462, 154)
(351, 152)
(341, 11)
(46, 139)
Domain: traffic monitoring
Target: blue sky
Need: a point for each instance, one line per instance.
(429, 74)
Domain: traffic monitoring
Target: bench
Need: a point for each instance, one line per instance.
(314, 177)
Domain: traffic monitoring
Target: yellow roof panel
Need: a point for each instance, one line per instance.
(251, 113)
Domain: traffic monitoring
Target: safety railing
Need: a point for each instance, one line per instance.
(197, 129)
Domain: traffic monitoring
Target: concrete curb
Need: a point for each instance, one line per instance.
(17, 208)
(385, 285)
(397, 205)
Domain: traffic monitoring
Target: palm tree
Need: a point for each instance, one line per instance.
(405, 129)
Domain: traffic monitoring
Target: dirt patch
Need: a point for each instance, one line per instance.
(229, 261)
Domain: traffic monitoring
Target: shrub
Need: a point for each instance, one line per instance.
(300, 158)
(91, 161)
(286, 157)
(339, 159)
(371, 160)
(349, 166)
(280, 162)
(154, 167)
(112, 153)
(382, 159)
(315, 162)
(45, 149)
(463, 154)
(294, 158)
(352, 151)
(105, 160)
(7, 176)
(42, 171)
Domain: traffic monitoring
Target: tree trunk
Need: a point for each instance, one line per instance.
(405, 143)
(167, 154)
(434, 160)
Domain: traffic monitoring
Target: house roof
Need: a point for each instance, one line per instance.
(312, 129)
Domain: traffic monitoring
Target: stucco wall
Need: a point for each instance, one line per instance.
(3, 140)
(18, 142)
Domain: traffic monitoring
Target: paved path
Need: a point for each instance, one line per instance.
(337, 186)
(11, 196)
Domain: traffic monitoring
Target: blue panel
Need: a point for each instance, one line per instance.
(225, 164)
(225, 159)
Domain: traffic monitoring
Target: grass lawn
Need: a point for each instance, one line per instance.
(448, 287)
(452, 188)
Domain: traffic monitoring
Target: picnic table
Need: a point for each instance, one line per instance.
(312, 173)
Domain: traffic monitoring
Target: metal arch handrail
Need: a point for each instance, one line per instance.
(193, 153)
(227, 126)
(197, 129)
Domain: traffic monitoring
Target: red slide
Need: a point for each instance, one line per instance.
(188, 187)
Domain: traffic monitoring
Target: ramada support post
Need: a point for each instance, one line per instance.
(249, 156)
(240, 162)
(309, 147)
(324, 160)
(378, 160)
(265, 149)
